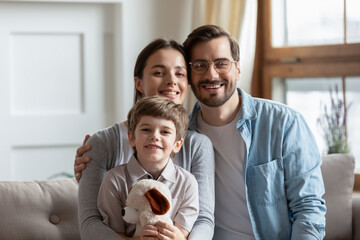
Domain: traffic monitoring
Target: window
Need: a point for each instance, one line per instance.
(310, 46)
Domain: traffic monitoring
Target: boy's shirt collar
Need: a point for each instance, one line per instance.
(137, 172)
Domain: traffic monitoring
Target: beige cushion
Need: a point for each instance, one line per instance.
(338, 175)
(39, 210)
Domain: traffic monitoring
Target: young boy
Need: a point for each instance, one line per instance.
(156, 126)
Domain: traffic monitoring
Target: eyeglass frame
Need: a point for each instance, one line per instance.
(209, 62)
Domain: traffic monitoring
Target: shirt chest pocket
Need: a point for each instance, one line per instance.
(266, 182)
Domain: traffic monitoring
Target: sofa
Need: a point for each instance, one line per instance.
(48, 209)
(343, 204)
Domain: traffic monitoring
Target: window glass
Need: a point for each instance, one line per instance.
(308, 96)
(353, 21)
(307, 22)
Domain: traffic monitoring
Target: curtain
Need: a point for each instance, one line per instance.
(239, 18)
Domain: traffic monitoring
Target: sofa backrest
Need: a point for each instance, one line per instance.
(338, 175)
(48, 209)
(39, 210)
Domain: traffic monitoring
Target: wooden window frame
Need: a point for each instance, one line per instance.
(336, 60)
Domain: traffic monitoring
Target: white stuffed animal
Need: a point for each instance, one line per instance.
(148, 202)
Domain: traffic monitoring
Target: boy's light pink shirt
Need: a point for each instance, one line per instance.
(117, 182)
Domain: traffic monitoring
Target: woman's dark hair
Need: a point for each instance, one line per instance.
(151, 48)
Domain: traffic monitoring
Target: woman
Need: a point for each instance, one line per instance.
(160, 69)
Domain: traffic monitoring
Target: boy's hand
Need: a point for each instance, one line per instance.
(149, 232)
(167, 231)
(80, 161)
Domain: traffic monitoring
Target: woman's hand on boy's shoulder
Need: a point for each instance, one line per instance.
(80, 160)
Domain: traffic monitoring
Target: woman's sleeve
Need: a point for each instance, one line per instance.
(203, 168)
(90, 220)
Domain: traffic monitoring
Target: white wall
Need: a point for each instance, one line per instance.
(34, 146)
(135, 23)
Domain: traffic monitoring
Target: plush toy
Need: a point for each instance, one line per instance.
(148, 202)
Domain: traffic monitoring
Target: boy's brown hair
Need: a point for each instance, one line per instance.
(162, 107)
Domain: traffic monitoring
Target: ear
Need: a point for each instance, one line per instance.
(238, 67)
(138, 84)
(177, 145)
(131, 139)
(158, 202)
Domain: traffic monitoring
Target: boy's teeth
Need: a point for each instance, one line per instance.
(153, 147)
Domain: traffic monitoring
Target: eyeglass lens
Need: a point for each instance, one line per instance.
(221, 66)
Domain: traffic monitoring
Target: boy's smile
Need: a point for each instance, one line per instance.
(153, 146)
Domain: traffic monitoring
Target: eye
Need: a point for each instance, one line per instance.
(222, 63)
(199, 65)
(159, 73)
(180, 74)
(166, 132)
(145, 130)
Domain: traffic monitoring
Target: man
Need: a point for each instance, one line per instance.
(268, 179)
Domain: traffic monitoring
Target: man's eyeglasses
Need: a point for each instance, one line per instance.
(221, 65)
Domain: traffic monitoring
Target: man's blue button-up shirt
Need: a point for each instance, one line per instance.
(282, 175)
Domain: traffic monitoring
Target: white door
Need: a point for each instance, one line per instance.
(52, 84)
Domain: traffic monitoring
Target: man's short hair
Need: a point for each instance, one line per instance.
(162, 107)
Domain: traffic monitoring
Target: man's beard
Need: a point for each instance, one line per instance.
(213, 99)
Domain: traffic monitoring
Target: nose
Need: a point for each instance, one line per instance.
(171, 79)
(154, 136)
(212, 73)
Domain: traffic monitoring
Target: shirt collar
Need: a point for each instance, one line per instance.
(247, 105)
(169, 172)
(137, 172)
(247, 108)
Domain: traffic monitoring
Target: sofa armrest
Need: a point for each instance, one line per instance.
(338, 175)
(356, 215)
(39, 210)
